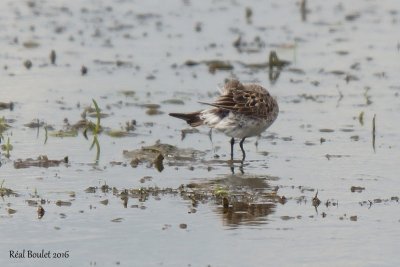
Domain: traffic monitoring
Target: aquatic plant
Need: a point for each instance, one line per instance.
(96, 130)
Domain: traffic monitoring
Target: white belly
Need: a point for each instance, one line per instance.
(237, 125)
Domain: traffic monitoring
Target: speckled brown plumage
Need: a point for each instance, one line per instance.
(241, 111)
(250, 99)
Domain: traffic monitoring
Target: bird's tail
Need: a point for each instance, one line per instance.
(193, 119)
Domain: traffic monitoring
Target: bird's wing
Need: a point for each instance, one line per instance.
(244, 100)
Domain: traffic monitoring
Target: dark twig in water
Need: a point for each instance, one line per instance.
(368, 100)
(373, 132)
(46, 134)
(303, 10)
(8, 147)
(249, 14)
(53, 57)
(340, 97)
(361, 118)
(84, 70)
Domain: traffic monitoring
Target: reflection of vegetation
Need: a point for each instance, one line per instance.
(3, 126)
(236, 200)
(46, 134)
(275, 66)
(95, 130)
(41, 161)
(64, 133)
(7, 147)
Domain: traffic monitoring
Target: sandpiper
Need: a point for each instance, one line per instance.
(241, 111)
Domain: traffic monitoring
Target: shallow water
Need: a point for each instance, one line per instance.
(344, 63)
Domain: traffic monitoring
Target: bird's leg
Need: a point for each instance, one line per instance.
(241, 147)
(232, 143)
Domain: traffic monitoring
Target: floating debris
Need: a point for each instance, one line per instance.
(303, 10)
(357, 189)
(30, 44)
(332, 202)
(120, 63)
(9, 105)
(84, 70)
(329, 156)
(11, 211)
(352, 16)
(34, 124)
(316, 201)
(198, 26)
(155, 154)
(158, 162)
(249, 15)
(355, 137)
(104, 202)
(63, 203)
(324, 130)
(173, 102)
(119, 133)
(91, 189)
(53, 57)
(153, 111)
(32, 203)
(286, 218)
(349, 77)
(40, 212)
(28, 64)
(128, 93)
(213, 65)
(353, 218)
(41, 161)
